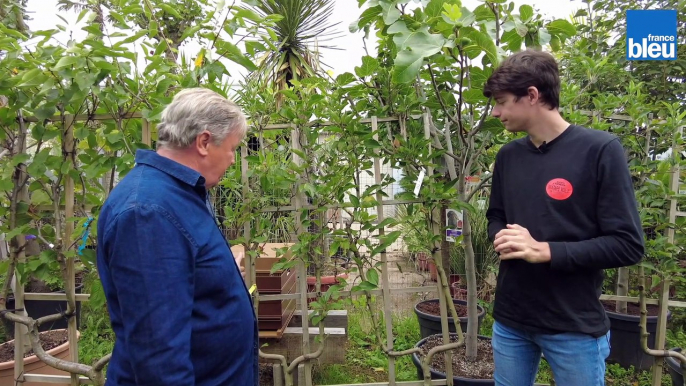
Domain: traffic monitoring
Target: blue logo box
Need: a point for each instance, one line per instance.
(651, 34)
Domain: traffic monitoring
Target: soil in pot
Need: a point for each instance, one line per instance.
(40, 308)
(428, 315)
(633, 309)
(434, 308)
(49, 340)
(481, 368)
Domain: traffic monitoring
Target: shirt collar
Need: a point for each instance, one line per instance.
(173, 168)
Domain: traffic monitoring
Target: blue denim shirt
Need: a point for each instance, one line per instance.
(180, 310)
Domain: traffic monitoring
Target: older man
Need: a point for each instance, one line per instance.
(179, 308)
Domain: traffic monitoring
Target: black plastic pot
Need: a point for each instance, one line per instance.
(675, 371)
(431, 324)
(625, 340)
(457, 381)
(39, 308)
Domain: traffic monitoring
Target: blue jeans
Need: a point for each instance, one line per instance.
(575, 359)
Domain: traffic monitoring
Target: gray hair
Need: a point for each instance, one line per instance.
(195, 110)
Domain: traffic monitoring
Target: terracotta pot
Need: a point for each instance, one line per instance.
(32, 365)
(458, 292)
(423, 261)
(327, 281)
(433, 272)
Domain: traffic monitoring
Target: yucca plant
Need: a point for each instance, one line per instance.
(298, 36)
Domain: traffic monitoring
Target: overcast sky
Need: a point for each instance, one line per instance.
(44, 14)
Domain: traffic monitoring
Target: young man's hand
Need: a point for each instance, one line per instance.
(238, 256)
(515, 242)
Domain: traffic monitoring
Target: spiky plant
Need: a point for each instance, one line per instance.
(300, 32)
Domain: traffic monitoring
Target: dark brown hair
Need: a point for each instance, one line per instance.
(525, 69)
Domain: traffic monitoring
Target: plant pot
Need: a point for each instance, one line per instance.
(433, 272)
(327, 281)
(431, 324)
(422, 261)
(33, 365)
(674, 368)
(39, 308)
(457, 381)
(625, 340)
(458, 292)
(272, 315)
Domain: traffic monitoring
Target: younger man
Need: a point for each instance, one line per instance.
(562, 209)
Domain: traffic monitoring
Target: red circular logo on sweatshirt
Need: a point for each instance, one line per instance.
(559, 189)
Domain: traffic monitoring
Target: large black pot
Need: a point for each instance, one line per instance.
(431, 324)
(625, 340)
(674, 369)
(39, 308)
(457, 381)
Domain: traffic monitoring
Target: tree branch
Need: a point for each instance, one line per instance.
(479, 186)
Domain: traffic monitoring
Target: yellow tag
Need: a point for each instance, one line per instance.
(252, 288)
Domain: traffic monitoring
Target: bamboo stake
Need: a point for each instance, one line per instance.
(147, 133)
(21, 194)
(70, 156)
(384, 264)
(302, 270)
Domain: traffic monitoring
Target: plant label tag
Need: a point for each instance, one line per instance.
(418, 184)
(453, 222)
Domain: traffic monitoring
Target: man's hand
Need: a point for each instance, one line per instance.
(515, 242)
(239, 257)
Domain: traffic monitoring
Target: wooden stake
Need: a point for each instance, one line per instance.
(384, 264)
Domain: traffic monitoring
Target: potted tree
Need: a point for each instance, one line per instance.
(446, 80)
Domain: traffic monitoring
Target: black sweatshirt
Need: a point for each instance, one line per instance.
(575, 193)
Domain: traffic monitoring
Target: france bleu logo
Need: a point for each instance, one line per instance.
(651, 34)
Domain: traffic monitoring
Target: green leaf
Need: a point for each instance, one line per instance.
(190, 31)
(32, 78)
(132, 38)
(354, 200)
(415, 46)
(492, 125)
(366, 286)
(420, 40)
(39, 197)
(512, 40)
(386, 241)
(407, 65)
(435, 7)
(369, 66)
(543, 37)
(170, 10)
(45, 111)
(248, 14)
(521, 28)
(473, 96)
(64, 62)
(526, 12)
(452, 13)
(252, 47)
(152, 28)
(81, 132)
(389, 13)
(561, 27)
(6, 185)
(233, 53)
(344, 79)
(120, 19)
(373, 276)
(484, 43)
(367, 17)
